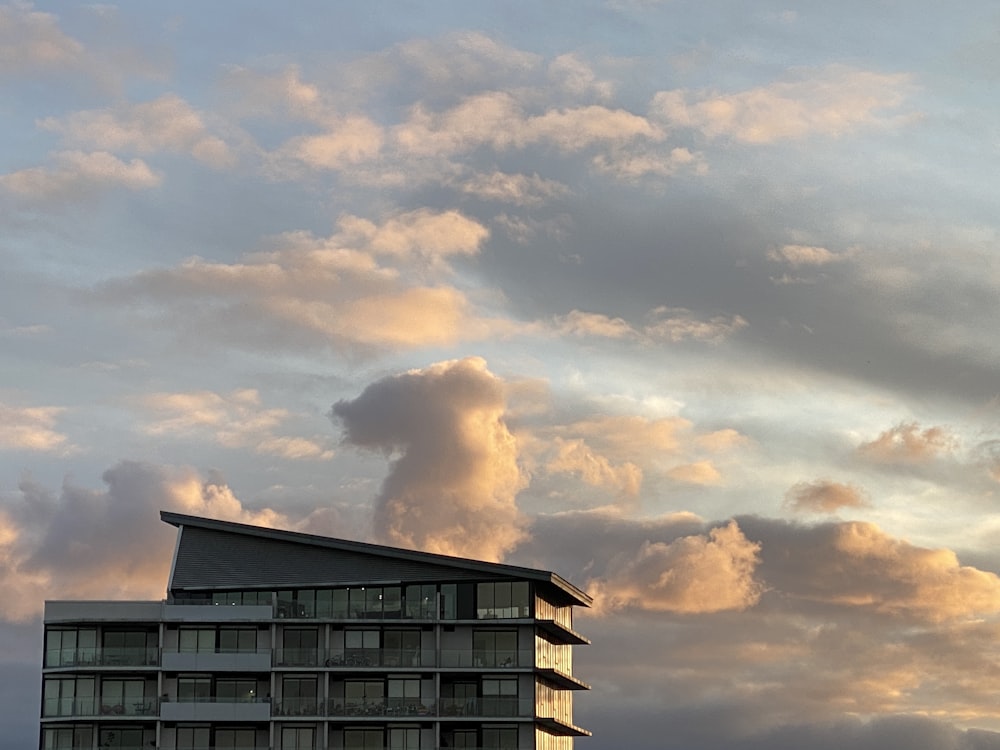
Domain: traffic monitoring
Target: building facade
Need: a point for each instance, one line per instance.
(287, 641)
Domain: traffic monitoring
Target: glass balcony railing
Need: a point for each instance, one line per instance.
(348, 658)
(103, 657)
(489, 706)
(59, 707)
(486, 659)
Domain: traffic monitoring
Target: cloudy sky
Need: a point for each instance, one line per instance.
(692, 302)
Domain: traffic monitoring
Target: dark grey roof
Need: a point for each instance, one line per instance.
(220, 555)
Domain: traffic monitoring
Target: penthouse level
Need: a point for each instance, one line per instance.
(288, 641)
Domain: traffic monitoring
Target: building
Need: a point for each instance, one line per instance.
(280, 640)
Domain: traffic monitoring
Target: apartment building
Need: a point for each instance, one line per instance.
(287, 641)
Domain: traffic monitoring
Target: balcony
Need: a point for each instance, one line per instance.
(102, 657)
(358, 658)
(98, 707)
(493, 659)
(217, 661)
(489, 707)
(215, 709)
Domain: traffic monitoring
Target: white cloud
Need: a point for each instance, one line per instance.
(75, 175)
(31, 428)
(31, 41)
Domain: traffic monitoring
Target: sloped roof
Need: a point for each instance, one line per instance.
(219, 555)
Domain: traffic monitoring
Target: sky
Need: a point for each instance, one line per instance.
(694, 303)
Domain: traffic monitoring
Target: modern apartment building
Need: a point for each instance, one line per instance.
(287, 641)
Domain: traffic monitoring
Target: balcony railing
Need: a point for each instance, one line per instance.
(488, 707)
(492, 659)
(64, 707)
(347, 658)
(108, 656)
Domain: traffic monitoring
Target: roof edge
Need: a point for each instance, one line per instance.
(181, 520)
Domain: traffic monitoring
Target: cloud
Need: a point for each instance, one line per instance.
(907, 444)
(31, 42)
(824, 496)
(700, 574)
(517, 189)
(576, 457)
(167, 123)
(234, 420)
(367, 287)
(90, 544)
(803, 255)
(670, 324)
(829, 102)
(454, 477)
(857, 566)
(76, 174)
(461, 59)
(574, 76)
(32, 429)
(347, 141)
(700, 472)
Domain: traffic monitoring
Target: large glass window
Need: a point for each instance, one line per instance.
(194, 688)
(298, 696)
(70, 647)
(401, 648)
(298, 738)
(364, 696)
(502, 600)
(67, 738)
(494, 648)
(125, 738)
(196, 640)
(194, 738)
(420, 601)
(124, 697)
(235, 739)
(464, 739)
(499, 696)
(69, 696)
(237, 640)
(404, 694)
(500, 738)
(361, 648)
(300, 647)
(234, 689)
(404, 738)
(364, 739)
(458, 698)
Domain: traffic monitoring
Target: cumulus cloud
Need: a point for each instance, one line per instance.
(517, 189)
(167, 123)
(454, 476)
(829, 102)
(31, 41)
(824, 496)
(858, 566)
(699, 472)
(31, 428)
(803, 255)
(368, 287)
(906, 443)
(698, 574)
(578, 458)
(235, 420)
(106, 544)
(76, 174)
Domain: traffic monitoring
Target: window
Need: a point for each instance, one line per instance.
(500, 738)
(68, 648)
(245, 598)
(363, 696)
(67, 738)
(458, 698)
(500, 696)
(466, 739)
(235, 739)
(233, 690)
(404, 738)
(420, 601)
(298, 738)
(298, 696)
(194, 689)
(363, 739)
(196, 640)
(401, 648)
(361, 648)
(123, 697)
(502, 600)
(300, 647)
(126, 738)
(237, 640)
(194, 738)
(404, 694)
(69, 696)
(494, 648)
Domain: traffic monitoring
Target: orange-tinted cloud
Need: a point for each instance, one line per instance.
(700, 574)
(824, 496)
(907, 444)
(453, 481)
